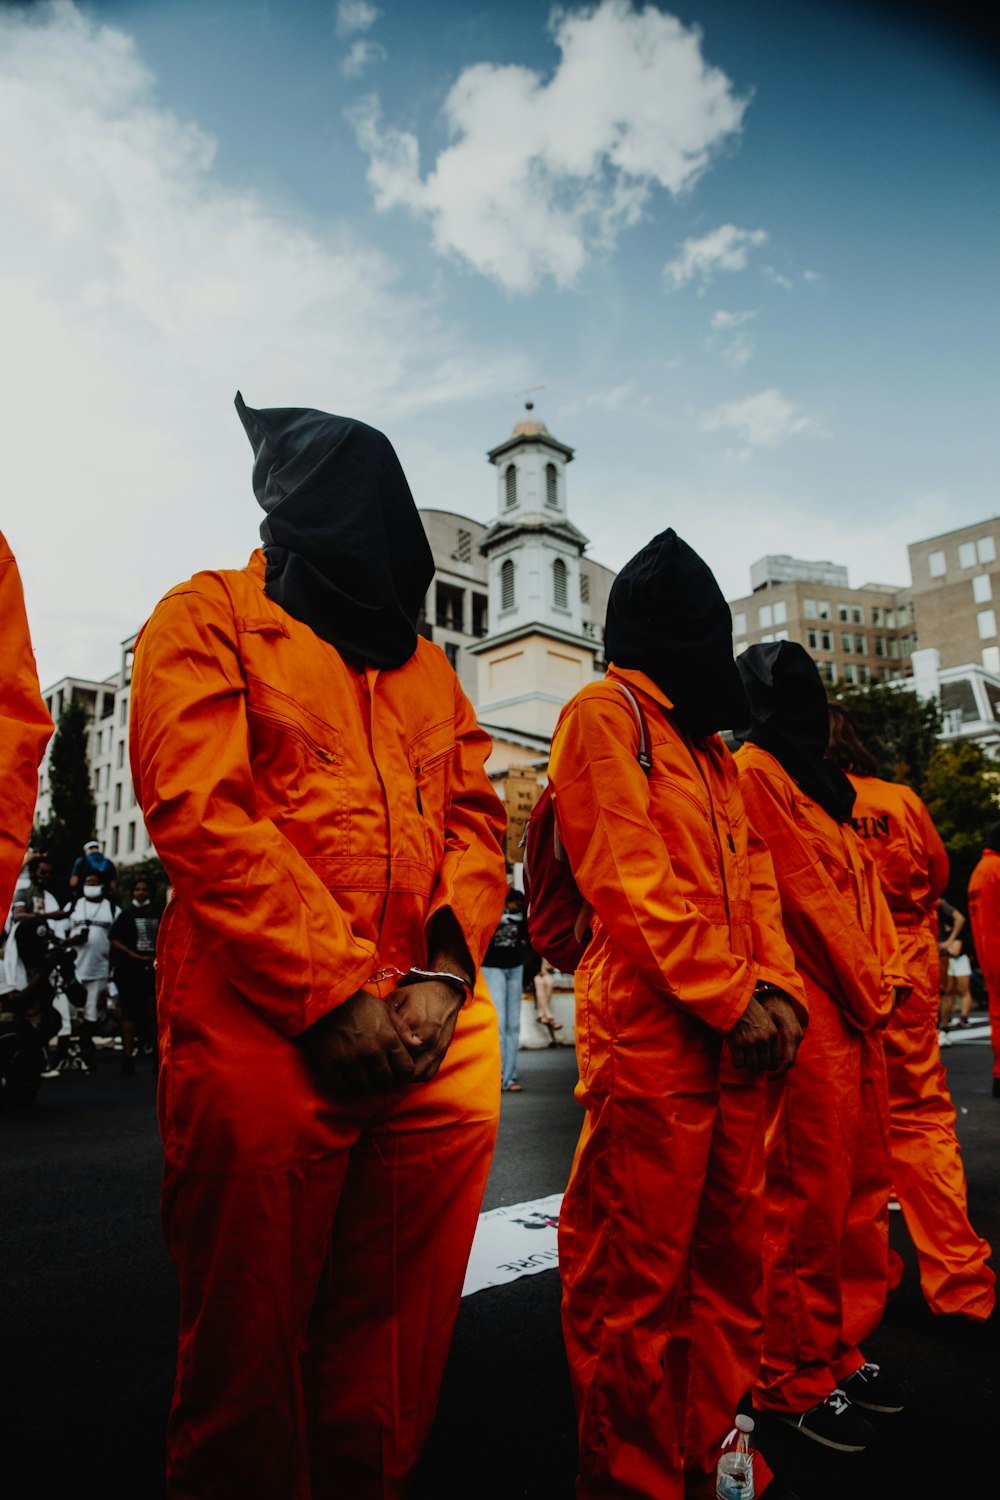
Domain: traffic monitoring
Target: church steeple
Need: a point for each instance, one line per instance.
(536, 632)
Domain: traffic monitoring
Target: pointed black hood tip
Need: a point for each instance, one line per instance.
(345, 548)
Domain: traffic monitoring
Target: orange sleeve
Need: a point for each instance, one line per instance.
(984, 913)
(622, 867)
(472, 876)
(25, 728)
(267, 917)
(770, 945)
(822, 927)
(937, 854)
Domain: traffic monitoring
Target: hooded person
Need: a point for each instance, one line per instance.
(686, 998)
(25, 728)
(984, 915)
(927, 1172)
(312, 777)
(826, 1241)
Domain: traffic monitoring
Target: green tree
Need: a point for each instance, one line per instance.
(149, 869)
(72, 820)
(899, 728)
(960, 790)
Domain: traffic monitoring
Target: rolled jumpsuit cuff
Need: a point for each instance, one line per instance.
(780, 982)
(728, 1015)
(330, 991)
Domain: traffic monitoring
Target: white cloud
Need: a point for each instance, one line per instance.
(139, 291)
(541, 173)
(354, 16)
(763, 420)
(722, 320)
(724, 249)
(363, 54)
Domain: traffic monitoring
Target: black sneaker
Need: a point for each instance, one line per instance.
(834, 1423)
(870, 1389)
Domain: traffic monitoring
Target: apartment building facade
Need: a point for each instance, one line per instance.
(856, 635)
(956, 593)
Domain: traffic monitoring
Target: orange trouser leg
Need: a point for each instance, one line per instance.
(993, 997)
(725, 1273)
(926, 1158)
(320, 1250)
(814, 1119)
(864, 1250)
(401, 1245)
(626, 1225)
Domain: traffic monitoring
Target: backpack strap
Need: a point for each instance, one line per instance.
(644, 757)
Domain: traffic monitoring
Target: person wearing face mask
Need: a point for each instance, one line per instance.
(313, 779)
(25, 728)
(687, 998)
(133, 945)
(90, 923)
(826, 1247)
(93, 862)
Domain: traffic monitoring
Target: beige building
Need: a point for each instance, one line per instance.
(856, 635)
(956, 593)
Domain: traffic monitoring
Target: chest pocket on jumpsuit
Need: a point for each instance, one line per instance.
(298, 768)
(432, 755)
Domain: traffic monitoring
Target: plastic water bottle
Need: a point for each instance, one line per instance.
(734, 1473)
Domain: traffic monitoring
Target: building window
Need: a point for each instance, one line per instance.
(765, 616)
(987, 623)
(827, 671)
(967, 555)
(480, 613)
(991, 663)
(780, 612)
(451, 652)
(906, 644)
(510, 486)
(123, 711)
(449, 607)
(766, 640)
(892, 647)
(823, 609)
(463, 547)
(781, 635)
(740, 624)
(846, 643)
(843, 613)
(982, 589)
(560, 586)
(860, 645)
(114, 840)
(809, 608)
(857, 615)
(102, 814)
(813, 638)
(551, 486)
(880, 645)
(864, 676)
(877, 615)
(130, 842)
(120, 754)
(985, 550)
(507, 583)
(118, 796)
(826, 640)
(936, 564)
(584, 588)
(851, 673)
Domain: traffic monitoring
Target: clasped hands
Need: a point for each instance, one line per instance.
(766, 1037)
(371, 1046)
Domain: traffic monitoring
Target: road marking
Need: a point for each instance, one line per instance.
(519, 1240)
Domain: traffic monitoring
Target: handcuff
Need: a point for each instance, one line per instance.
(424, 976)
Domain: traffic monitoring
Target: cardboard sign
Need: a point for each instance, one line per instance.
(522, 790)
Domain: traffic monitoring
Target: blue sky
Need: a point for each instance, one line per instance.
(748, 248)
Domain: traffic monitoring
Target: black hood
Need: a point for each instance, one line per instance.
(345, 548)
(993, 838)
(789, 718)
(667, 617)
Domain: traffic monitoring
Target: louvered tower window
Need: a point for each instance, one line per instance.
(560, 589)
(551, 486)
(510, 486)
(507, 584)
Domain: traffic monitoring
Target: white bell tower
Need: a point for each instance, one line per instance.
(536, 653)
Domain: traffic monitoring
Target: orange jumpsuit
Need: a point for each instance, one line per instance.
(827, 1237)
(661, 1226)
(25, 728)
(896, 829)
(313, 819)
(984, 914)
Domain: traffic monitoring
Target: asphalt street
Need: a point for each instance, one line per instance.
(89, 1307)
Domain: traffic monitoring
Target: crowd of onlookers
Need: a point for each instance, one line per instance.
(79, 961)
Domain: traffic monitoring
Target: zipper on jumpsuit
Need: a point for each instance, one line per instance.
(369, 694)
